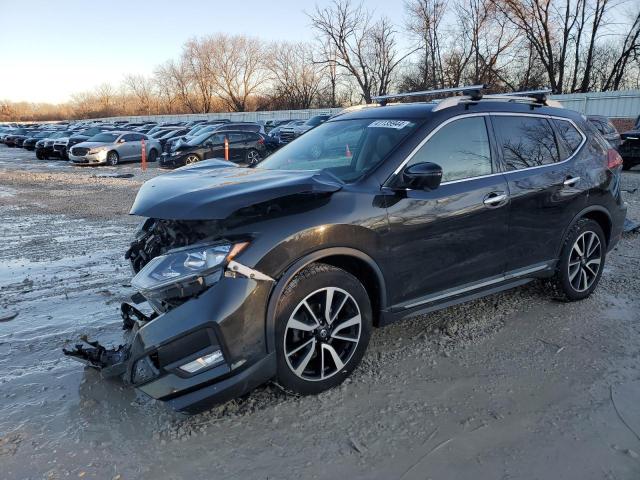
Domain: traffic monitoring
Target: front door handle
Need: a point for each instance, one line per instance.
(495, 199)
(571, 181)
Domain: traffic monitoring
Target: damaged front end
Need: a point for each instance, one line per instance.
(205, 341)
(202, 338)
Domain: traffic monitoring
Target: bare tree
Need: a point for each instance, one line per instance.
(366, 50)
(143, 89)
(424, 22)
(628, 51)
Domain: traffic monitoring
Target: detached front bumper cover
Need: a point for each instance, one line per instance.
(195, 354)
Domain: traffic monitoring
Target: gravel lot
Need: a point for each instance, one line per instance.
(516, 385)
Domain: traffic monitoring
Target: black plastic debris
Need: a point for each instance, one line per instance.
(111, 361)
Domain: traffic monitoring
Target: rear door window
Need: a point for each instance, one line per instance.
(460, 148)
(525, 141)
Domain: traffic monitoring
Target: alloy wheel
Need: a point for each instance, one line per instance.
(584, 261)
(252, 157)
(112, 158)
(191, 159)
(322, 334)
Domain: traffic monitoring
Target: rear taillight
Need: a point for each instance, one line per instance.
(261, 140)
(614, 159)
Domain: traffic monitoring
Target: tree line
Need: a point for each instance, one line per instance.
(567, 45)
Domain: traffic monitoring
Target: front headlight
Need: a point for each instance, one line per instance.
(183, 266)
(93, 151)
(173, 154)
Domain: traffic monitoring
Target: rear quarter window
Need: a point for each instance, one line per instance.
(570, 136)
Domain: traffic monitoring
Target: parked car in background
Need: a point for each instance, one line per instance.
(195, 131)
(164, 136)
(30, 142)
(84, 135)
(291, 132)
(607, 129)
(245, 148)
(630, 148)
(61, 145)
(44, 147)
(114, 147)
(12, 136)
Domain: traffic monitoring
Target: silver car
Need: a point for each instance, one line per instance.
(113, 147)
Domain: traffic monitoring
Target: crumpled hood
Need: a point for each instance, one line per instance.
(214, 189)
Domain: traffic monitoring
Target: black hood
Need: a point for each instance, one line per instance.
(214, 189)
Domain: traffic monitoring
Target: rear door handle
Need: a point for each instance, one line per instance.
(571, 181)
(495, 199)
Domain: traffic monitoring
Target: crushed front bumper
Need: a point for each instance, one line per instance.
(229, 316)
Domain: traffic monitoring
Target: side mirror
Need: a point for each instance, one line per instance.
(122, 140)
(422, 176)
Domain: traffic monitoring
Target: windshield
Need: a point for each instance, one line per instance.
(345, 148)
(315, 121)
(42, 134)
(105, 137)
(91, 132)
(199, 139)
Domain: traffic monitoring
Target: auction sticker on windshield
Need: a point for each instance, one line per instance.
(397, 124)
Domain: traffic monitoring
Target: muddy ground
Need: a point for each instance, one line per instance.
(516, 385)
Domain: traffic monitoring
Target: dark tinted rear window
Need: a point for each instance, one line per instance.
(526, 141)
(570, 135)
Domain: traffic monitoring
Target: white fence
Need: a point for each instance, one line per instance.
(620, 104)
(233, 116)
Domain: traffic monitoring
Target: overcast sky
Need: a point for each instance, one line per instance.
(51, 49)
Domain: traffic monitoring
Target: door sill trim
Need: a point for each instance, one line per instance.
(446, 294)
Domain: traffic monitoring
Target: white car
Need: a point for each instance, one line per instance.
(113, 147)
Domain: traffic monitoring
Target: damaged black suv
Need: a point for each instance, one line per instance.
(280, 272)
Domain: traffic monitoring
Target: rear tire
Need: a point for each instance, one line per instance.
(39, 156)
(153, 156)
(317, 347)
(252, 157)
(581, 260)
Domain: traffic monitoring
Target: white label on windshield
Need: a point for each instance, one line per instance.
(397, 124)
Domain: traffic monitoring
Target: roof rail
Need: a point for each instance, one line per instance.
(540, 96)
(473, 91)
(532, 97)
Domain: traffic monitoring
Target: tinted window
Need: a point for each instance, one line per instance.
(130, 137)
(461, 148)
(526, 141)
(570, 135)
(104, 137)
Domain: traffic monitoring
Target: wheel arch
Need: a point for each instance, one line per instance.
(596, 213)
(354, 261)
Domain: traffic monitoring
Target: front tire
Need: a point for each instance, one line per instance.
(191, 159)
(323, 326)
(582, 260)
(113, 158)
